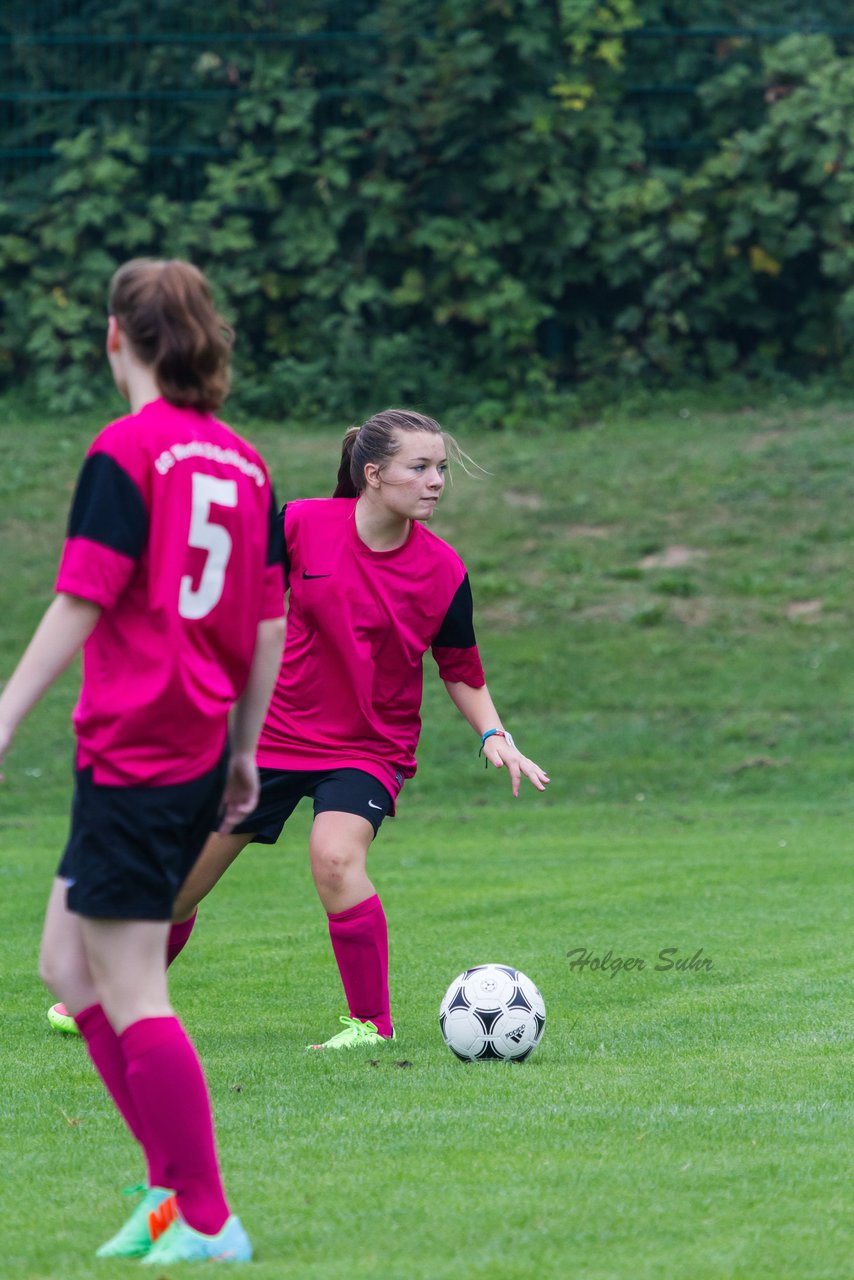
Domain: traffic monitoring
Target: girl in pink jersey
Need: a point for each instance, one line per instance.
(170, 582)
(371, 589)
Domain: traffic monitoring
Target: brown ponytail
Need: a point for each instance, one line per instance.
(166, 311)
(345, 487)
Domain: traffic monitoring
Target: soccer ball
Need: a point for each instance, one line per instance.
(492, 1011)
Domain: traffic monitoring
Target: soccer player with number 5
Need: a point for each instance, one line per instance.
(171, 584)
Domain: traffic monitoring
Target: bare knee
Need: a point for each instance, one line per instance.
(66, 974)
(48, 970)
(52, 967)
(338, 849)
(333, 865)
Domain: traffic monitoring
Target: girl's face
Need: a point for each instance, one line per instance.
(411, 483)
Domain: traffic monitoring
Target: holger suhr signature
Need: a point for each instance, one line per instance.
(668, 960)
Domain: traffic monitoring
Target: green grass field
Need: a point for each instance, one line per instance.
(664, 610)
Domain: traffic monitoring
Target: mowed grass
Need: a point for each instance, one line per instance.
(664, 611)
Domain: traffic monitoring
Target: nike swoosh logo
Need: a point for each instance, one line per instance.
(316, 575)
(371, 805)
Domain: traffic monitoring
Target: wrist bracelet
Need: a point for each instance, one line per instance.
(494, 733)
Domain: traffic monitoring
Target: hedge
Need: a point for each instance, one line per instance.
(465, 206)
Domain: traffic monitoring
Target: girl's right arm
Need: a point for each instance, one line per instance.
(66, 626)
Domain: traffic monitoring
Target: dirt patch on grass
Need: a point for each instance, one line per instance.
(502, 614)
(588, 531)
(675, 557)
(804, 610)
(759, 762)
(757, 442)
(613, 611)
(520, 498)
(691, 613)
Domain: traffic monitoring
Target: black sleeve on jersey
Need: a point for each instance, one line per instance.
(283, 547)
(457, 629)
(275, 533)
(108, 507)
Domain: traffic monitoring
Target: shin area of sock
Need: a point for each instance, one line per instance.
(105, 1050)
(360, 941)
(168, 1086)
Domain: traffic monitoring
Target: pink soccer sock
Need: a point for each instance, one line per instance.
(105, 1050)
(168, 1089)
(360, 942)
(179, 936)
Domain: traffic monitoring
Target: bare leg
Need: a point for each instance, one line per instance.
(126, 962)
(212, 863)
(357, 925)
(63, 964)
(115, 963)
(338, 849)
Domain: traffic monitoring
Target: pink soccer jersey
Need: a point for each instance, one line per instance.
(173, 531)
(359, 624)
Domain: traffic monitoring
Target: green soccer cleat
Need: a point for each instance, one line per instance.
(355, 1034)
(180, 1243)
(61, 1020)
(154, 1214)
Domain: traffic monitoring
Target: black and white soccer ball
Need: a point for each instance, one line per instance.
(492, 1011)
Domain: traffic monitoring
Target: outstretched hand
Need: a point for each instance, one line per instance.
(240, 796)
(499, 753)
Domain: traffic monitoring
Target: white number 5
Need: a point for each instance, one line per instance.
(213, 538)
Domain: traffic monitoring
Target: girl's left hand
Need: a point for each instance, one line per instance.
(500, 754)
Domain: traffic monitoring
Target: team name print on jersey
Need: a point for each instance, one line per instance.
(216, 453)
